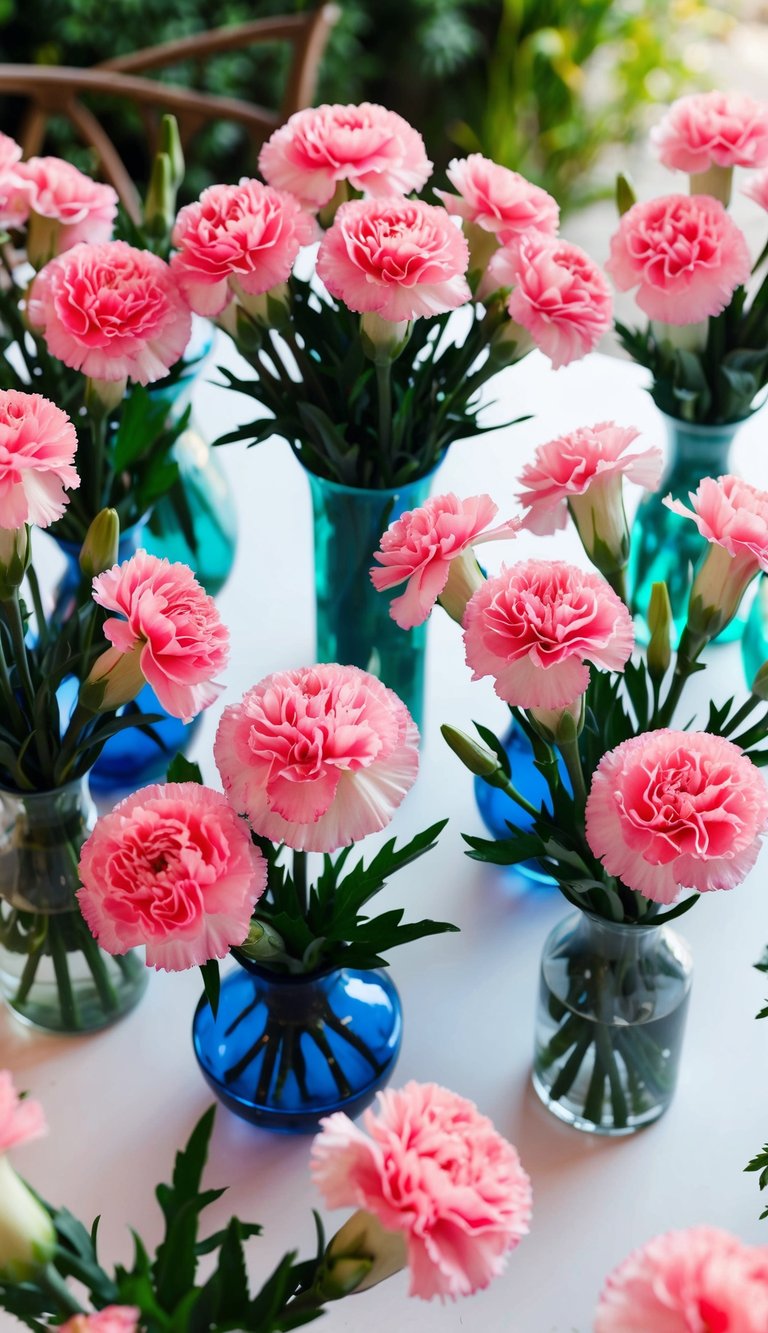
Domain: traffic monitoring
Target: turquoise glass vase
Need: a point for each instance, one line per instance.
(354, 626)
(754, 644)
(666, 547)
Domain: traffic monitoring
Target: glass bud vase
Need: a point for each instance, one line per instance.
(52, 972)
(354, 626)
(666, 547)
(612, 1006)
(496, 807)
(283, 1050)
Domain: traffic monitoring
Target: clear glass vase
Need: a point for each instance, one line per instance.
(354, 626)
(283, 1051)
(52, 972)
(612, 1006)
(496, 807)
(666, 547)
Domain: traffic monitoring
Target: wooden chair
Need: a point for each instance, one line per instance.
(58, 90)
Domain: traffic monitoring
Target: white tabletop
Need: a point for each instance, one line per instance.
(121, 1102)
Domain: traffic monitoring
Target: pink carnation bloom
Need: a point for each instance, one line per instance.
(169, 628)
(497, 199)
(670, 810)
(757, 188)
(38, 445)
(237, 238)
(80, 208)
(420, 548)
(20, 1120)
(536, 626)
(374, 149)
(713, 129)
(398, 257)
(701, 1280)
(318, 757)
(112, 1319)
(14, 208)
(171, 867)
(684, 254)
(431, 1167)
(559, 295)
(111, 311)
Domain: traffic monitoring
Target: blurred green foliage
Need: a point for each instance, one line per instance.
(540, 85)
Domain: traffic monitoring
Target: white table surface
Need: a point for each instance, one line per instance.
(121, 1102)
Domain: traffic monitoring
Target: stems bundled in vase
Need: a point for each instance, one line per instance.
(648, 811)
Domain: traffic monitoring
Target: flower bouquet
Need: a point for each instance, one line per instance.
(315, 759)
(463, 1169)
(648, 810)
(357, 361)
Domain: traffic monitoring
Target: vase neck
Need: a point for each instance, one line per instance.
(699, 451)
(617, 939)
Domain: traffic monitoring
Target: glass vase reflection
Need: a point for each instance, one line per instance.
(353, 621)
(53, 974)
(754, 644)
(496, 807)
(666, 547)
(613, 1001)
(283, 1050)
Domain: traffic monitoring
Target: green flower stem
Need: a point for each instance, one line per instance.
(14, 712)
(321, 1041)
(384, 391)
(64, 1300)
(28, 975)
(37, 602)
(618, 581)
(12, 612)
(92, 953)
(58, 950)
(689, 650)
(503, 782)
(572, 760)
(300, 882)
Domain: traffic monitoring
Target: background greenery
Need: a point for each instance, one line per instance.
(541, 85)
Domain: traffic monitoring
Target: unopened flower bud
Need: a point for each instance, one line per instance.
(160, 203)
(15, 554)
(262, 944)
(27, 1236)
(170, 144)
(103, 396)
(476, 757)
(99, 550)
(626, 196)
(114, 679)
(383, 340)
(660, 625)
(359, 1256)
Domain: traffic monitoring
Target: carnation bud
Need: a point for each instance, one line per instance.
(15, 554)
(659, 619)
(626, 196)
(464, 578)
(360, 1255)
(560, 726)
(114, 679)
(27, 1236)
(476, 757)
(99, 550)
(103, 396)
(170, 144)
(383, 340)
(262, 944)
(42, 239)
(719, 585)
(160, 203)
(270, 310)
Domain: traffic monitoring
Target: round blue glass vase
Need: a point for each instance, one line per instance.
(496, 807)
(285, 1050)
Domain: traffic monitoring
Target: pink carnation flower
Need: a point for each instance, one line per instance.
(757, 188)
(111, 311)
(38, 445)
(112, 1319)
(497, 199)
(169, 628)
(80, 208)
(701, 1280)
(398, 257)
(237, 238)
(671, 810)
(20, 1120)
(431, 1167)
(420, 548)
(559, 295)
(318, 757)
(374, 149)
(171, 867)
(684, 254)
(713, 129)
(536, 626)
(14, 208)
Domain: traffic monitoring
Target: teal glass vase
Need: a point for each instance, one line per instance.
(354, 626)
(666, 547)
(754, 644)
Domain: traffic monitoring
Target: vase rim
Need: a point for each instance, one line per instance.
(706, 427)
(342, 489)
(44, 791)
(293, 978)
(621, 926)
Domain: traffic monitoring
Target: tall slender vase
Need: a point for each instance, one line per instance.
(664, 546)
(354, 626)
(53, 974)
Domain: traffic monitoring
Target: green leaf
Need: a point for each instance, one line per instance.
(212, 983)
(182, 769)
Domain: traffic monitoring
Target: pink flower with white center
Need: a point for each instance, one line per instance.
(166, 631)
(111, 311)
(756, 188)
(701, 1280)
(65, 207)
(112, 1319)
(583, 474)
(375, 150)
(671, 810)
(497, 199)
(21, 1120)
(171, 867)
(237, 239)
(13, 204)
(559, 295)
(38, 445)
(535, 626)
(713, 129)
(431, 550)
(397, 257)
(429, 1166)
(733, 517)
(683, 253)
(318, 757)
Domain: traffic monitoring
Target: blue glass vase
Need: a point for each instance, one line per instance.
(496, 807)
(354, 626)
(283, 1050)
(665, 546)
